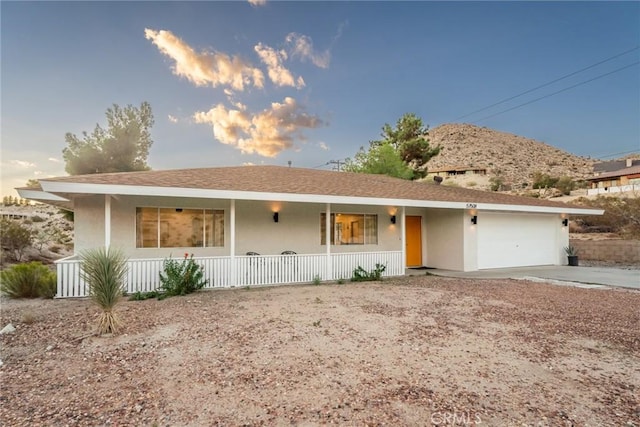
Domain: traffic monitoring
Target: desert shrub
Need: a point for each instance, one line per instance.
(181, 277)
(15, 237)
(141, 296)
(104, 271)
(543, 180)
(496, 183)
(316, 280)
(37, 218)
(566, 185)
(471, 184)
(621, 216)
(362, 275)
(28, 280)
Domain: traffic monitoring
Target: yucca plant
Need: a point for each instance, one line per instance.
(104, 271)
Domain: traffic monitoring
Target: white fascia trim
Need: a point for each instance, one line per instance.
(40, 195)
(135, 190)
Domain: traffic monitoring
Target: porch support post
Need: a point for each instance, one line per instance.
(327, 236)
(232, 243)
(107, 221)
(403, 239)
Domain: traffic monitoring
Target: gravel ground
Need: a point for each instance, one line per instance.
(411, 351)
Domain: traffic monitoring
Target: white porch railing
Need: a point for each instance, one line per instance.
(143, 275)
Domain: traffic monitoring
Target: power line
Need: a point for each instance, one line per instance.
(604, 156)
(548, 83)
(557, 92)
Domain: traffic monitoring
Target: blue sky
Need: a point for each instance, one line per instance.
(234, 83)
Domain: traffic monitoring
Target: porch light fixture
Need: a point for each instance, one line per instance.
(276, 217)
(474, 219)
(393, 219)
(565, 222)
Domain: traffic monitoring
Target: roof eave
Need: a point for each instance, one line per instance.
(136, 190)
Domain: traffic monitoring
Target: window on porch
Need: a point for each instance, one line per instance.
(179, 228)
(350, 229)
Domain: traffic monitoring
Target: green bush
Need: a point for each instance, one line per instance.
(28, 280)
(141, 296)
(181, 277)
(362, 275)
(566, 185)
(543, 180)
(15, 237)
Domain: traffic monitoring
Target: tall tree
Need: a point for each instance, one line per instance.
(380, 159)
(406, 144)
(122, 147)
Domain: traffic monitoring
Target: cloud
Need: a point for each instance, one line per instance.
(323, 146)
(54, 160)
(257, 2)
(172, 119)
(278, 74)
(302, 46)
(23, 164)
(266, 133)
(205, 68)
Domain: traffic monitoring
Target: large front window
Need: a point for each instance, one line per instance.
(179, 228)
(350, 229)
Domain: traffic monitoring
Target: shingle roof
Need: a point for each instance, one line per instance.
(277, 179)
(633, 170)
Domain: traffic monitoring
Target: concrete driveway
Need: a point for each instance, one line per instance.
(578, 276)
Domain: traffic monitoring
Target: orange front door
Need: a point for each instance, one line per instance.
(414, 241)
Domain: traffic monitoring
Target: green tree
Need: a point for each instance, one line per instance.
(122, 147)
(380, 159)
(410, 140)
(402, 152)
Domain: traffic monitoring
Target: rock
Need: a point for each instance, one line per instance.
(49, 348)
(9, 329)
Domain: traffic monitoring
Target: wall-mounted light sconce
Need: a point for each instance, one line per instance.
(393, 219)
(565, 222)
(474, 219)
(276, 217)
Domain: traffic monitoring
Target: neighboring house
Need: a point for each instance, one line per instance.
(457, 170)
(619, 181)
(614, 165)
(222, 215)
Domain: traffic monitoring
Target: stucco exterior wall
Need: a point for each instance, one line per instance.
(445, 239)
(298, 228)
(88, 223)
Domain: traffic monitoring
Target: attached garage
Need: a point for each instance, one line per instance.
(520, 240)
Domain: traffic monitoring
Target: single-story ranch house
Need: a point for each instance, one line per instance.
(253, 225)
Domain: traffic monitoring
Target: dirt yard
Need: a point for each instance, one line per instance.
(411, 351)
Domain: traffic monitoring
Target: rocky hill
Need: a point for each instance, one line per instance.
(52, 233)
(515, 158)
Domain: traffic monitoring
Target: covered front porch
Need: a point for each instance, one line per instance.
(239, 271)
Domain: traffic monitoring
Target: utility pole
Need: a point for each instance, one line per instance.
(338, 163)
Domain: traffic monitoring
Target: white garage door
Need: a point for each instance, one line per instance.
(516, 240)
